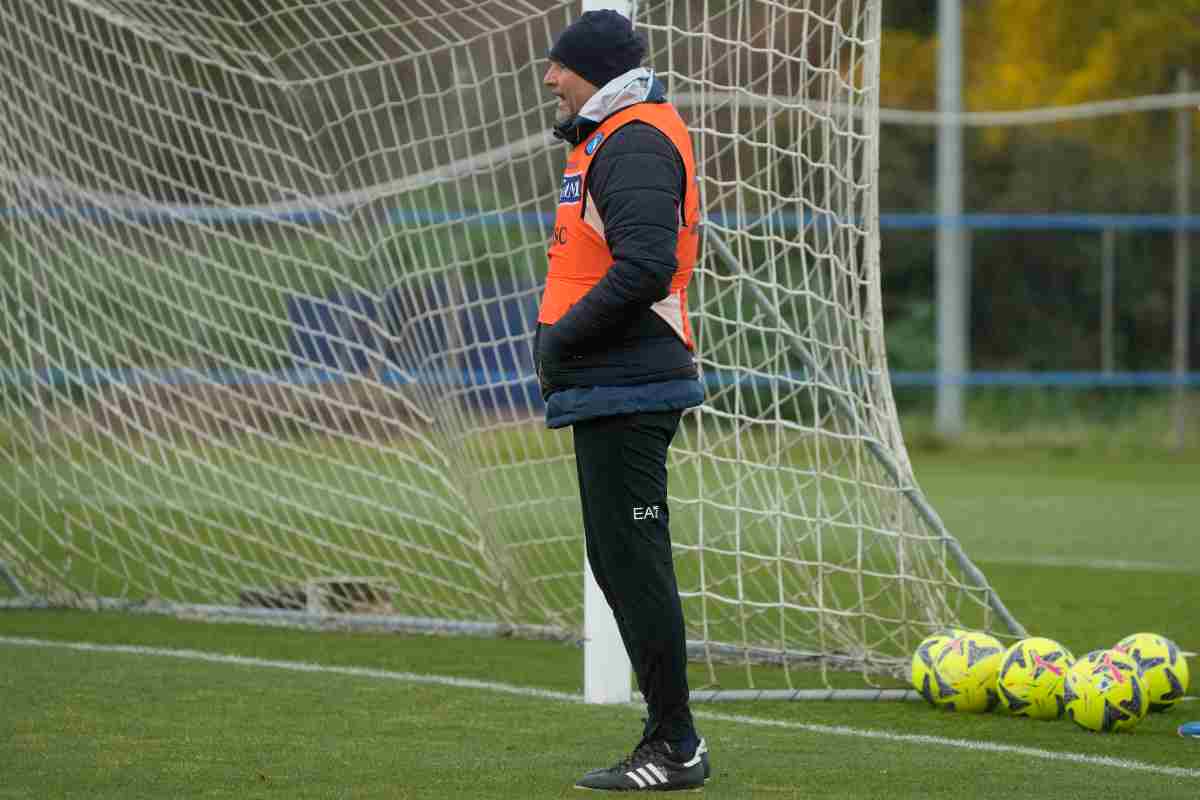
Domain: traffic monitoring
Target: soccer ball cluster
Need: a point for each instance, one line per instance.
(1107, 690)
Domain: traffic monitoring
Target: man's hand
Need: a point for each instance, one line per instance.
(549, 352)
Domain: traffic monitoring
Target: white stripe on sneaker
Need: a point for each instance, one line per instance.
(648, 775)
(658, 773)
(632, 774)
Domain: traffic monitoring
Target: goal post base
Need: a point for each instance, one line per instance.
(10, 580)
(607, 673)
(805, 695)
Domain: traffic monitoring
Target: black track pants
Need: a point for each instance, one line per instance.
(622, 464)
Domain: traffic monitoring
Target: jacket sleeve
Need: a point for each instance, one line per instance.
(636, 182)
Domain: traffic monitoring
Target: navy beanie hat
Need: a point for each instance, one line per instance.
(599, 46)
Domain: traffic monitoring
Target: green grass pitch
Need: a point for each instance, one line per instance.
(1083, 547)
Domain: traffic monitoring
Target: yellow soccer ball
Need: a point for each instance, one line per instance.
(1031, 677)
(1103, 692)
(1161, 666)
(924, 676)
(967, 666)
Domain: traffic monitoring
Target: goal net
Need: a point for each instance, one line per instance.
(270, 275)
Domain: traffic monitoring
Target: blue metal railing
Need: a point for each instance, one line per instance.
(483, 377)
(898, 220)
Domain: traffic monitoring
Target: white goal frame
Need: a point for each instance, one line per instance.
(808, 551)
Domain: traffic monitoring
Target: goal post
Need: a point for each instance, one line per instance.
(270, 278)
(607, 672)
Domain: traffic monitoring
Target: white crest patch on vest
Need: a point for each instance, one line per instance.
(571, 186)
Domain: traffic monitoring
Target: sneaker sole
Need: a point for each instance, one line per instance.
(628, 791)
(634, 791)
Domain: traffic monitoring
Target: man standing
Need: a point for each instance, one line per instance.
(614, 358)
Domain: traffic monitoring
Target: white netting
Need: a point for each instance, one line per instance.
(270, 277)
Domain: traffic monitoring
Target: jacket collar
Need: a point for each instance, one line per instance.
(638, 85)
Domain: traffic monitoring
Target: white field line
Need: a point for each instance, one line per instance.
(565, 697)
(961, 744)
(1111, 564)
(296, 666)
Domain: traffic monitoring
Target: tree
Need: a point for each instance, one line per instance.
(1024, 54)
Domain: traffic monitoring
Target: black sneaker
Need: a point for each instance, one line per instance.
(652, 767)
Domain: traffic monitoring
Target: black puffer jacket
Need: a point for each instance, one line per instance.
(611, 353)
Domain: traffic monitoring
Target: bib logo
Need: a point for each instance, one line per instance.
(571, 186)
(593, 143)
(648, 512)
